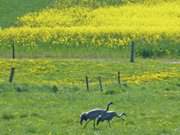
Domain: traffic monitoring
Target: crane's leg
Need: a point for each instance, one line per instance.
(94, 124)
(109, 123)
(86, 123)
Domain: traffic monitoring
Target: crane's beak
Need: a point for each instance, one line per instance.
(121, 115)
(81, 120)
(110, 103)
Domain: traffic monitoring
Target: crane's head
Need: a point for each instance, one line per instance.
(121, 115)
(110, 103)
(83, 117)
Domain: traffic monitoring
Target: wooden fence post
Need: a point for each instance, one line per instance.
(12, 70)
(11, 77)
(100, 83)
(132, 57)
(87, 83)
(13, 51)
(119, 78)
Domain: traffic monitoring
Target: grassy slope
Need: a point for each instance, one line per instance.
(11, 9)
(31, 106)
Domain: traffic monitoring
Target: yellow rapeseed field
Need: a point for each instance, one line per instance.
(150, 25)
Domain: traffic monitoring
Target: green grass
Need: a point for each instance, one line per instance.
(63, 52)
(31, 105)
(49, 93)
(152, 109)
(10, 10)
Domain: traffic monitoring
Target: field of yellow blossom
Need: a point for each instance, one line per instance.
(155, 29)
(73, 71)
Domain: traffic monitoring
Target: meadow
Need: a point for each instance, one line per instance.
(60, 42)
(47, 96)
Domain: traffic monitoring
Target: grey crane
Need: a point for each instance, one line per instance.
(92, 115)
(109, 115)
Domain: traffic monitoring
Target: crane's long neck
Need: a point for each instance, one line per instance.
(108, 107)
